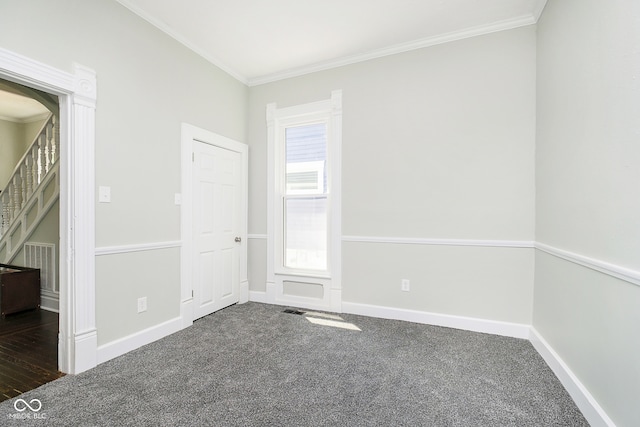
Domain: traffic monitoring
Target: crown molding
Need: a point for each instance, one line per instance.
(508, 24)
(183, 40)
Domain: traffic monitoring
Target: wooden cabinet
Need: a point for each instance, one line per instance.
(19, 289)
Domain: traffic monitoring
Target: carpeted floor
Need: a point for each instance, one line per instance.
(253, 365)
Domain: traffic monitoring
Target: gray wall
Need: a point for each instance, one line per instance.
(15, 138)
(10, 149)
(437, 143)
(32, 129)
(588, 152)
(147, 85)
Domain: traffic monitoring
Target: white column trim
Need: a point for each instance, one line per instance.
(270, 294)
(79, 205)
(335, 293)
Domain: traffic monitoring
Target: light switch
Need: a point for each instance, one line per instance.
(104, 194)
(177, 198)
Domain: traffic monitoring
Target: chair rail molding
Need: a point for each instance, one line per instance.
(613, 270)
(139, 247)
(77, 94)
(440, 242)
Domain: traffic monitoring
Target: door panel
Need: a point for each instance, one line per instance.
(216, 224)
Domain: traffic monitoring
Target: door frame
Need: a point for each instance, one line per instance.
(189, 133)
(77, 94)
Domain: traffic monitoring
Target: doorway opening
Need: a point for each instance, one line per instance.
(76, 93)
(29, 236)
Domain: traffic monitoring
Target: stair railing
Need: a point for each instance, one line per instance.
(29, 173)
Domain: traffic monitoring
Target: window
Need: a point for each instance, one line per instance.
(305, 197)
(304, 190)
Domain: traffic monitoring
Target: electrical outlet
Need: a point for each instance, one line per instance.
(405, 285)
(142, 304)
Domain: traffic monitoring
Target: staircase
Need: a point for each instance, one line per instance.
(32, 190)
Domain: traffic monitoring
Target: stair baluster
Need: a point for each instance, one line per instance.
(50, 146)
(32, 169)
(28, 166)
(42, 161)
(23, 186)
(55, 140)
(16, 196)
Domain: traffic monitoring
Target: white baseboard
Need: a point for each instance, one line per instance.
(49, 303)
(587, 404)
(515, 330)
(244, 292)
(124, 345)
(590, 408)
(186, 312)
(258, 296)
(84, 357)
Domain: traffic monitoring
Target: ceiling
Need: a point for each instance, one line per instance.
(258, 41)
(18, 108)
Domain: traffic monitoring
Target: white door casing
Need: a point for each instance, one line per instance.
(213, 167)
(77, 94)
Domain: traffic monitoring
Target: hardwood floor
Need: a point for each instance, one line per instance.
(28, 351)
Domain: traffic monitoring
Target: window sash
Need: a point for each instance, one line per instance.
(305, 233)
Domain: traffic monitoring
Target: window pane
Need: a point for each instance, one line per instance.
(306, 155)
(305, 225)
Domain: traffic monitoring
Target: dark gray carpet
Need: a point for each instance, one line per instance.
(253, 365)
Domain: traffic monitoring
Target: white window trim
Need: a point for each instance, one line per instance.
(277, 118)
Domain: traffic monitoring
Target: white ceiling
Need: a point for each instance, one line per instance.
(19, 108)
(258, 41)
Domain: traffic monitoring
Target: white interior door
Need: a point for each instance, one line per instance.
(217, 193)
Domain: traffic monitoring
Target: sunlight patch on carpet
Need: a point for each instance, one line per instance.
(333, 323)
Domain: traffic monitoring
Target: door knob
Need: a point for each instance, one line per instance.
(238, 240)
